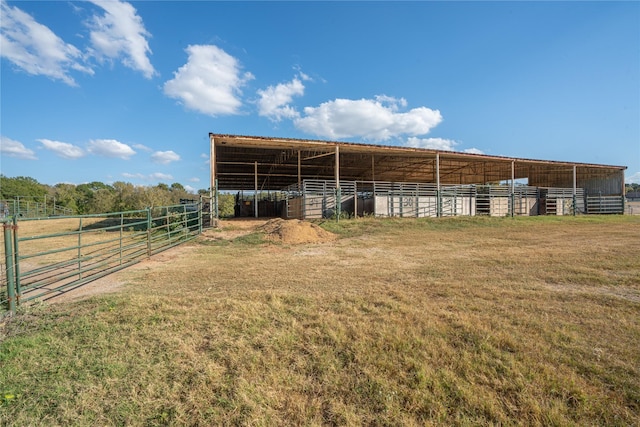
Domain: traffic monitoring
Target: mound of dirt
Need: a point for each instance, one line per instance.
(294, 231)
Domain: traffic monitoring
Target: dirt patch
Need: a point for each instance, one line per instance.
(230, 229)
(114, 282)
(294, 231)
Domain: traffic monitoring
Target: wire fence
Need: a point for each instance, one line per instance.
(45, 257)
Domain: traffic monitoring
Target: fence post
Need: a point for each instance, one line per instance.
(200, 205)
(80, 250)
(16, 260)
(9, 266)
(185, 223)
(215, 205)
(121, 234)
(338, 203)
(149, 232)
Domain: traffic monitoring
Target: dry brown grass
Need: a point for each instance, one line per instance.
(471, 321)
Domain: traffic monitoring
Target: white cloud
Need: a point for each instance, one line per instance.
(194, 179)
(36, 49)
(210, 82)
(165, 157)
(633, 179)
(62, 149)
(110, 148)
(274, 100)
(432, 143)
(12, 148)
(190, 189)
(376, 119)
(142, 147)
(473, 151)
(161, 176)
(133, 175)
(120, 34)
(157, 176)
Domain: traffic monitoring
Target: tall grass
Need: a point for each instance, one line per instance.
(473, 321)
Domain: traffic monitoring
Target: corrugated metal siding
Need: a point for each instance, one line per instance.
(609, 186)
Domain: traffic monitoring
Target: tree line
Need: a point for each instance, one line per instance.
(95, 197)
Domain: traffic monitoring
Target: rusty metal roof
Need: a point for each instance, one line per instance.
(281, 162)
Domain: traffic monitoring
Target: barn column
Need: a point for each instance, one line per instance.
(213, 183)
(299, 171)
(255, 190)
(438, 197)
(513, 187)
(575, 184)
(624, 189)
(373, 168)
(338, 191)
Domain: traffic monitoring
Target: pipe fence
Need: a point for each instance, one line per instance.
(28, 207)
(45, 257)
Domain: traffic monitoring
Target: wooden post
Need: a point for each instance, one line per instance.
(513, 187)
(624, 194)
(575, 184)
(299, 171)
(373, 168)
(255, 189)
(213, 191)
(438, 198)
(338, 192)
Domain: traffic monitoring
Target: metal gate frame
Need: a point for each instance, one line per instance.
(100, 245)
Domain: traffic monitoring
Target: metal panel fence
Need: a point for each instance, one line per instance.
(598, 204)
(44, 257)
(31, 208)
(317, 199)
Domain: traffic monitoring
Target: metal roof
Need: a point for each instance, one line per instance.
(280, 162)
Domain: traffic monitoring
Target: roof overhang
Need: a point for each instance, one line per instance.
(238, 162)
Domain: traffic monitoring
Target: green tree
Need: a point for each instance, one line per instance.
(156, 196)
(21, 186)
(102, 200)
(226, 205)
(94, 197)
(65, 195)
(126, 198)
(176, 186)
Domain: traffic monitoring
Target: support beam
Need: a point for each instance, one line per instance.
(438, 197)
(213, 191)
(373, 168)
(513, 187)
(319, 155)
(624, 189)
(255, 191)
(337, 167)
(299, 171)
(575, 184)
(338, 192)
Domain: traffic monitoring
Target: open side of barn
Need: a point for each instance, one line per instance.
(308, 179)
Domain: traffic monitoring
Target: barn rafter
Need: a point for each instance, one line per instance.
(281, 162)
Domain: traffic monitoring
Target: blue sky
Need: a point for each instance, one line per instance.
(128, 91)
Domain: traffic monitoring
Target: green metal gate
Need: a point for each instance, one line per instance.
(44, 257)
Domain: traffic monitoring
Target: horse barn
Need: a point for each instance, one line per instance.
(309, 179)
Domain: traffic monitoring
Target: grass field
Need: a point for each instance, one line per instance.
(459, 321)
